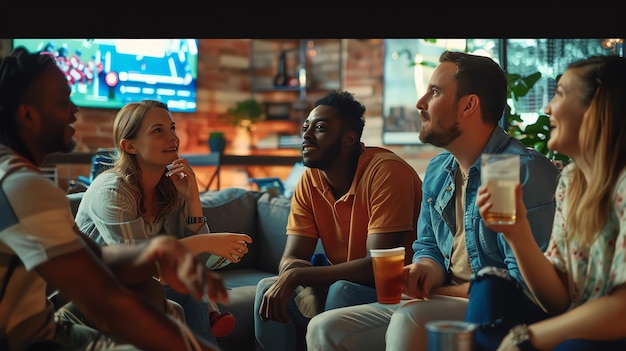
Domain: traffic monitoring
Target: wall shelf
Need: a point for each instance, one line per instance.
(315, 64)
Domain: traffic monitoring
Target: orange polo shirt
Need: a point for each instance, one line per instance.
(384, 197)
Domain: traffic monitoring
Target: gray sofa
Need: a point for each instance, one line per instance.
(260, 215)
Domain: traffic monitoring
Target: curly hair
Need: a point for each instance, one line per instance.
(351, 111)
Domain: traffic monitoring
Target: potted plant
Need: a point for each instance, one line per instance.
(217, 142)
(246, 114)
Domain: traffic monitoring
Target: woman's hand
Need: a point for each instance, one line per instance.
(231, 246)
(483, 201)
(183, 177)
(507, 344)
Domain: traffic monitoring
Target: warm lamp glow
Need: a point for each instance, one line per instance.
(610, 43)
(311, 51)
(302, 77)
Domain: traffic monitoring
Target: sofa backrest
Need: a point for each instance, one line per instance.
(262, 215)
(273, 212)
(234, 210)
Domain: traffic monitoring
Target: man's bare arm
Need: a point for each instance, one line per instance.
(299, 250)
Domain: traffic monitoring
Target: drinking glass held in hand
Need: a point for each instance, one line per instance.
(500, 174)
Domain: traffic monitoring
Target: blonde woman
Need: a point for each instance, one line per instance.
(580, 280)
(151, 191)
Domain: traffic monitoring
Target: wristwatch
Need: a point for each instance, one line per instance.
(520, 336)
(194, 220)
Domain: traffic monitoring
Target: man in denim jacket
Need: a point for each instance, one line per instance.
(460, 111)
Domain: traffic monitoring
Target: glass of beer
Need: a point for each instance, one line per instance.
(500, 173)
(388, 267)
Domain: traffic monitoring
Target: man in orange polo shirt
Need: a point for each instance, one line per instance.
(352, 198)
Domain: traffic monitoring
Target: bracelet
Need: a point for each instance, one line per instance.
(194, 220)
(520, 336)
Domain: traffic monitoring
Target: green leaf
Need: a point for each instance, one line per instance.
(537, 129)
(248, 109)
(520, 86)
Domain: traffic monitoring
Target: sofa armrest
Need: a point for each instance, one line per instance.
(74, 199)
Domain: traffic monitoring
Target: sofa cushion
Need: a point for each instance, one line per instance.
(273, 212)
(233, 210)
(241, 285)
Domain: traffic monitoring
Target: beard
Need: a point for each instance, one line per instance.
(327, 157)
(69, 147)
(440, 136)
(59, 142)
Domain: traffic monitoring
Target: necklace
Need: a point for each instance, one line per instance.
(463, 176)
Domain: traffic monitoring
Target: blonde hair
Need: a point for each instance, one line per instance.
(602, 141)
(126, 126)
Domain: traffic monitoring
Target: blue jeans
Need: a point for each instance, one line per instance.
(196, 313)
(276, 336)
(497, 303)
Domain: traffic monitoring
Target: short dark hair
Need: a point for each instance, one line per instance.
(352, 112)
(18, 72)
(482, 76)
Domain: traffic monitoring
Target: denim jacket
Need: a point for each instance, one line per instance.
(437, 222)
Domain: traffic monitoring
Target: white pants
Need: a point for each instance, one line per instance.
(378, 327)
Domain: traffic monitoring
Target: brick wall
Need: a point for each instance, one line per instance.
(224, 78)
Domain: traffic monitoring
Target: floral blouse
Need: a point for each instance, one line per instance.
(592, 271)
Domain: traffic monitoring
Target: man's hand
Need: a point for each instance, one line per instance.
(419, 279)
(274, 303)
(181, 270)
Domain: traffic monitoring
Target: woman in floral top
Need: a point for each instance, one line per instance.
(579, 280)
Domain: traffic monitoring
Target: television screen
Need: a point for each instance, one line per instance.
(108, 73)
